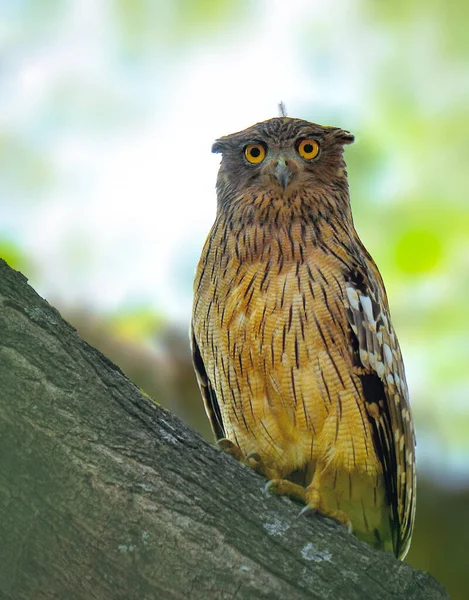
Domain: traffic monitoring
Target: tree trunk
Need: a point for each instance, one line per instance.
(104, 494)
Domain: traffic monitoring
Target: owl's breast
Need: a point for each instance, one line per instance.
(266, 330)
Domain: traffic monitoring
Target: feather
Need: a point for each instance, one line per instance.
(394, 433)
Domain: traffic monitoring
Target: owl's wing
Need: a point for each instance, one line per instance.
(381, 369)
(212, 407)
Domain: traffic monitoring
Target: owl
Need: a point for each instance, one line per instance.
(295, 354)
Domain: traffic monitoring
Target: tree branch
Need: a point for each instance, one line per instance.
(104, 494)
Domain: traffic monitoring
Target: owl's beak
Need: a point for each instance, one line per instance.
(283, 172)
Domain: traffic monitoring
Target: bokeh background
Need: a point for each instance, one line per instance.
(107, 114)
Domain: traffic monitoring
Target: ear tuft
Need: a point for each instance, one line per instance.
(343, 136)
(218, 147)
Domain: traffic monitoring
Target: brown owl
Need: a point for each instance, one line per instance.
(295, 354)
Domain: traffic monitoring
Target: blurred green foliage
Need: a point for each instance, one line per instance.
(145, 24)
(12, 255)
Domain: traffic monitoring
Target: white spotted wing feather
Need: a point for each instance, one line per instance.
(380, 355)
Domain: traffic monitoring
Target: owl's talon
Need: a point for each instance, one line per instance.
(306, 509)
(337, 515)
(342, 518)
(252, 460)
(254, 456)
(267, 487)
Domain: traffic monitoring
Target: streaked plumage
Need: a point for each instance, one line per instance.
(293, 345)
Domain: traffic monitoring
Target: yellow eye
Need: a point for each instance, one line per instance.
(308, 149)
(254, 153)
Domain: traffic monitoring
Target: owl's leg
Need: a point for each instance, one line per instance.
(230, 447)
(283, 487)
(252, 460)
(314, 502)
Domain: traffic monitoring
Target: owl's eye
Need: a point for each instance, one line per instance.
(308, 149)
(254, 153)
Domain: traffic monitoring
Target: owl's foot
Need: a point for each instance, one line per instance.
(314, 503)
(252, 460)
(228, 446)
(283, 487)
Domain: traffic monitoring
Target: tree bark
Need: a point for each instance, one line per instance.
(104, 494)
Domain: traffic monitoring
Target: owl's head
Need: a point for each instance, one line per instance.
(280, 157)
